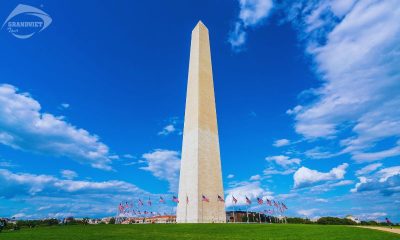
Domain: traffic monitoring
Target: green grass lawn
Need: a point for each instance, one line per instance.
(200, 231)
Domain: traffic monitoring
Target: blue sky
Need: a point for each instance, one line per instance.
(307, 95)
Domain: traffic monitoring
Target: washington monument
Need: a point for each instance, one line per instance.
(200, 181)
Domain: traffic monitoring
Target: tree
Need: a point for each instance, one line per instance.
(112, 221)
(3, 224)
(335, 221)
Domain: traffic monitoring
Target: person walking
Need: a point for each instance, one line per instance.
(389, 223)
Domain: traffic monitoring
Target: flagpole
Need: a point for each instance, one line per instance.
(247, 213)
(234, 217)
(259, 216)
(269, 216)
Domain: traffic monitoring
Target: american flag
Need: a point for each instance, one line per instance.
(220, 199)
(275, 204)
(175, 199)
(234, 200)
(205, 199)
(187, 199)
(140, 202)
(248, 201)
(149, 202)
(161, 200)
(133, 212)
(269, 202)
(284, 206)
(138, 212)
(260, 201)
(120, 207)
(145, 212)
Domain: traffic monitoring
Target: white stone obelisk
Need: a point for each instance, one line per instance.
(200, 172)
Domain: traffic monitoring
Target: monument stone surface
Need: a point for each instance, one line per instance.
(200, 173)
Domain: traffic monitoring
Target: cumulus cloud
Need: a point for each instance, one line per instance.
(386, 181)
(307, 212)
(281, 142)
(242, 189)
(46, 196)
(354, 45)
(164, 165)
(26, 184)
(305, 177)
(283, 161)
(230, 176)
(25, 127)
(252, 13)
(386, 173)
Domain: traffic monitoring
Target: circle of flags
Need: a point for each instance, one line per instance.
(130, 209)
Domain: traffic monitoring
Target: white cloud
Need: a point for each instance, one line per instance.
(368, 169)
(255, 177)
(375, 216)
(328, 186)
(373, 156)
(252, 13)
(359, 50)
(281, 142)
(237, 37)
(307, 212)
(68, 174)
(46, 196)
(25, 184)
(305, 177)
(342, 183)
(284, 161)
(230, 176)
(322, 200)
(285, 196)
(319, 153)
(19, 215)
(386, 181)
(386, 173)
(170, 128)
(65, 105)
(242, 189)
(129, 156)
(294, 110)
(165, 165)
(7, 164)
(23, 126)
(272, 171)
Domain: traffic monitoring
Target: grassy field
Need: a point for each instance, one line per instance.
(199, 231)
